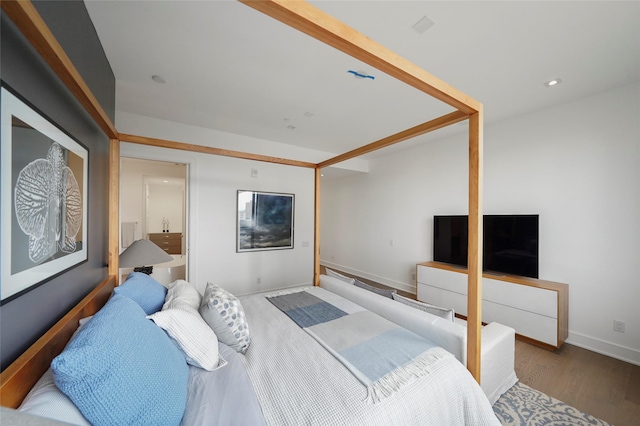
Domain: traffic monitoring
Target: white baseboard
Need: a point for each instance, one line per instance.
(612, 350)
(409, 288)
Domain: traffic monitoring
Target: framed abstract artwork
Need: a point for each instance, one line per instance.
(43, 202)
(265, 221)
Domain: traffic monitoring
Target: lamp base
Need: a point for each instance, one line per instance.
(144, 269)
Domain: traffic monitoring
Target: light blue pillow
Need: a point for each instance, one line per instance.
(144, 290)
(121, 369)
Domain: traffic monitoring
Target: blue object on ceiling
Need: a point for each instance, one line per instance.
(360, 75)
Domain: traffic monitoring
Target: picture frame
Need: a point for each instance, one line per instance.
(265, 221)
(43, 201)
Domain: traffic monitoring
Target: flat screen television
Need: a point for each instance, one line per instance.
(510, 243)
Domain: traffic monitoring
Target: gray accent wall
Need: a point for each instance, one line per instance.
(25, 318)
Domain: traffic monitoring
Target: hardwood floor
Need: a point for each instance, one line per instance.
(604, 387)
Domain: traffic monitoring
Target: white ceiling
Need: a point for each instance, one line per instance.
(231, 68)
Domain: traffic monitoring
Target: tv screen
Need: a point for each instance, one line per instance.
(450, 239)
(510, 243)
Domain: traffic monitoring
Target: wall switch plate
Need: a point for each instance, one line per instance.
(618, 326)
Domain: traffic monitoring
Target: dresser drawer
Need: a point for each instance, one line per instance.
(171, 242)
(536, 309)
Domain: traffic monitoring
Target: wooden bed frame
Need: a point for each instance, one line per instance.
(17, 379)
(20, 376)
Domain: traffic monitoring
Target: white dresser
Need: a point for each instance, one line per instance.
(536, 309)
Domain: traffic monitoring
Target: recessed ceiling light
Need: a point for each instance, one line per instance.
(158, 79)
(553, 82)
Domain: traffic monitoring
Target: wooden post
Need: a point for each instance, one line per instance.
(316, 230)
(474, 308)
(114, 208)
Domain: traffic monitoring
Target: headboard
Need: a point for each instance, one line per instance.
(18, 378)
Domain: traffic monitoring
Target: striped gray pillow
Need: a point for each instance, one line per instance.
(445, 313)
(380, 291)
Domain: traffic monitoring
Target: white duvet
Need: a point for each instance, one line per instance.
(298, 382)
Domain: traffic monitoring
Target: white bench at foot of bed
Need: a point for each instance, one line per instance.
(497, 371)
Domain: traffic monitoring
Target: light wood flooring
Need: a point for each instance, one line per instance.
(602, 386)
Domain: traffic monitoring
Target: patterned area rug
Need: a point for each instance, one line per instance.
(522, 405)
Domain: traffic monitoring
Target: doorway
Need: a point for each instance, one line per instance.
(153, 206)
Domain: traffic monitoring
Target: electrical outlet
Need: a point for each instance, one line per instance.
(618, 326)
(413, 277)
(258, 280)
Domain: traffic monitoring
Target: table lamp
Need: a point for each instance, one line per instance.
(142, 255)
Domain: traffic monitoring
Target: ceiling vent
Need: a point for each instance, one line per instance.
(423, 25)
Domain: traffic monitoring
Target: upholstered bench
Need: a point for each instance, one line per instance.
(497, 370)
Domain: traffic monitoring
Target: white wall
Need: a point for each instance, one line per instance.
(165, 208)
(213, 183)
(132, 194)
(577, 165)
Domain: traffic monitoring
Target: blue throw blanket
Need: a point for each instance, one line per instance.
(381, 354)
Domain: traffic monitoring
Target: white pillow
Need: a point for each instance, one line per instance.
(182, 293)
(46, 400)
(225, 315)
(181, 320)
(198, 342)
(445, 313)
(339, 276)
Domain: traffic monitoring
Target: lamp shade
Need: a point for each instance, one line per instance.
(143, 253)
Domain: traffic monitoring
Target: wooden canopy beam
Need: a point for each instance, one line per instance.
(31, 24)
(327, 29)
(162, 143)
(420, 129)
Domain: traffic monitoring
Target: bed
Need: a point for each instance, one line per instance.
(18, 378)
(285, 376)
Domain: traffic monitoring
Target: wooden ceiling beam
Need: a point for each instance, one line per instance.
(162, 143)
(327, 29)
(420, 129)
(25, 16)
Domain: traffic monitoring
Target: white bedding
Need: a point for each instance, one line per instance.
(298, 382)
(287, 378)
